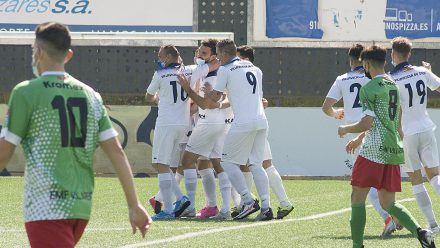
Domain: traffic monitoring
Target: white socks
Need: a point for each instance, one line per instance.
(178, 177)
(165, 187)
(235, 197)
(225, 188)
(190, 176)
(373, 196)
(249, 180)
(424, 203)
(435, 182)
(208, 180)
(277, 186)
(237, 180)
(176, 187)
(262, 184)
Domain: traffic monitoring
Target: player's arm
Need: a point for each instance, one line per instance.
(139, 217)
(152, 100)
(6, 151)
(151, 96)
(202, 102)
(327, 108)
(353, 144)
(363, 125)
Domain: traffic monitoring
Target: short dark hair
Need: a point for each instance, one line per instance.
(355, 51)
(212, 44)
(374, 53)
(170, 50)
(227, 46)
(54, 37)
(246, 52)
(401, 45)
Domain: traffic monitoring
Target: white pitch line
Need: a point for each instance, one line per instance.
(224, 229)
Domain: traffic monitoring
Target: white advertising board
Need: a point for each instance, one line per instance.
(99, 15)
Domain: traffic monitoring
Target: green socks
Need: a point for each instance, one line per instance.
(404, 217)
(357, 223)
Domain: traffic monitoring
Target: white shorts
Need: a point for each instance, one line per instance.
(267, 151)
(243, 146)
(207, 140)
(420, 149)
(166, 144)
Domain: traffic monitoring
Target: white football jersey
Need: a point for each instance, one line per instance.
(243, 80)
(347, 87)
(210, 116)
(174, 107)
(413, 82)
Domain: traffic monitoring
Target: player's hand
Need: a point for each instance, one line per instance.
(265, 102)
(341, 131)
(339, 114)
(426, 65)
(352, 145)
(139, 219)
(183, 81)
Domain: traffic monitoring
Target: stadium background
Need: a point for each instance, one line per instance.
(296, 79)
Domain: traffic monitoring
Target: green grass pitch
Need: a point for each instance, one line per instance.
(108, 226)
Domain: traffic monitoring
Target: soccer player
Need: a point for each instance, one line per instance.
(419, 143)
(172, 124)
(59, 121)
(275, 181)
(246, 137)
(206, 143)
(347, 87)
(381, 153)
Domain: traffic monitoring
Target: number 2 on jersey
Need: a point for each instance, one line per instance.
(182, 92)
(356, 103)
(420, 87)
(69, 122)
(252, 80)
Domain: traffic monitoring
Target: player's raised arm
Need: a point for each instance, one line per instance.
(139, 217)
(202, 102)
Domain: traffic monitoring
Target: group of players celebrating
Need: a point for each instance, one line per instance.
(211, 119)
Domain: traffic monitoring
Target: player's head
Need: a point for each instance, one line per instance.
(401, 50)
(226, 50)
(354, 53)
(246, 52)
(51, 46)
(207, 51)
(373, 59)
(168, 54)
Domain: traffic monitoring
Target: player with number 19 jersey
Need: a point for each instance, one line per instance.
(413, 81)
(382, 143)
(59, 121)
(347, 87)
